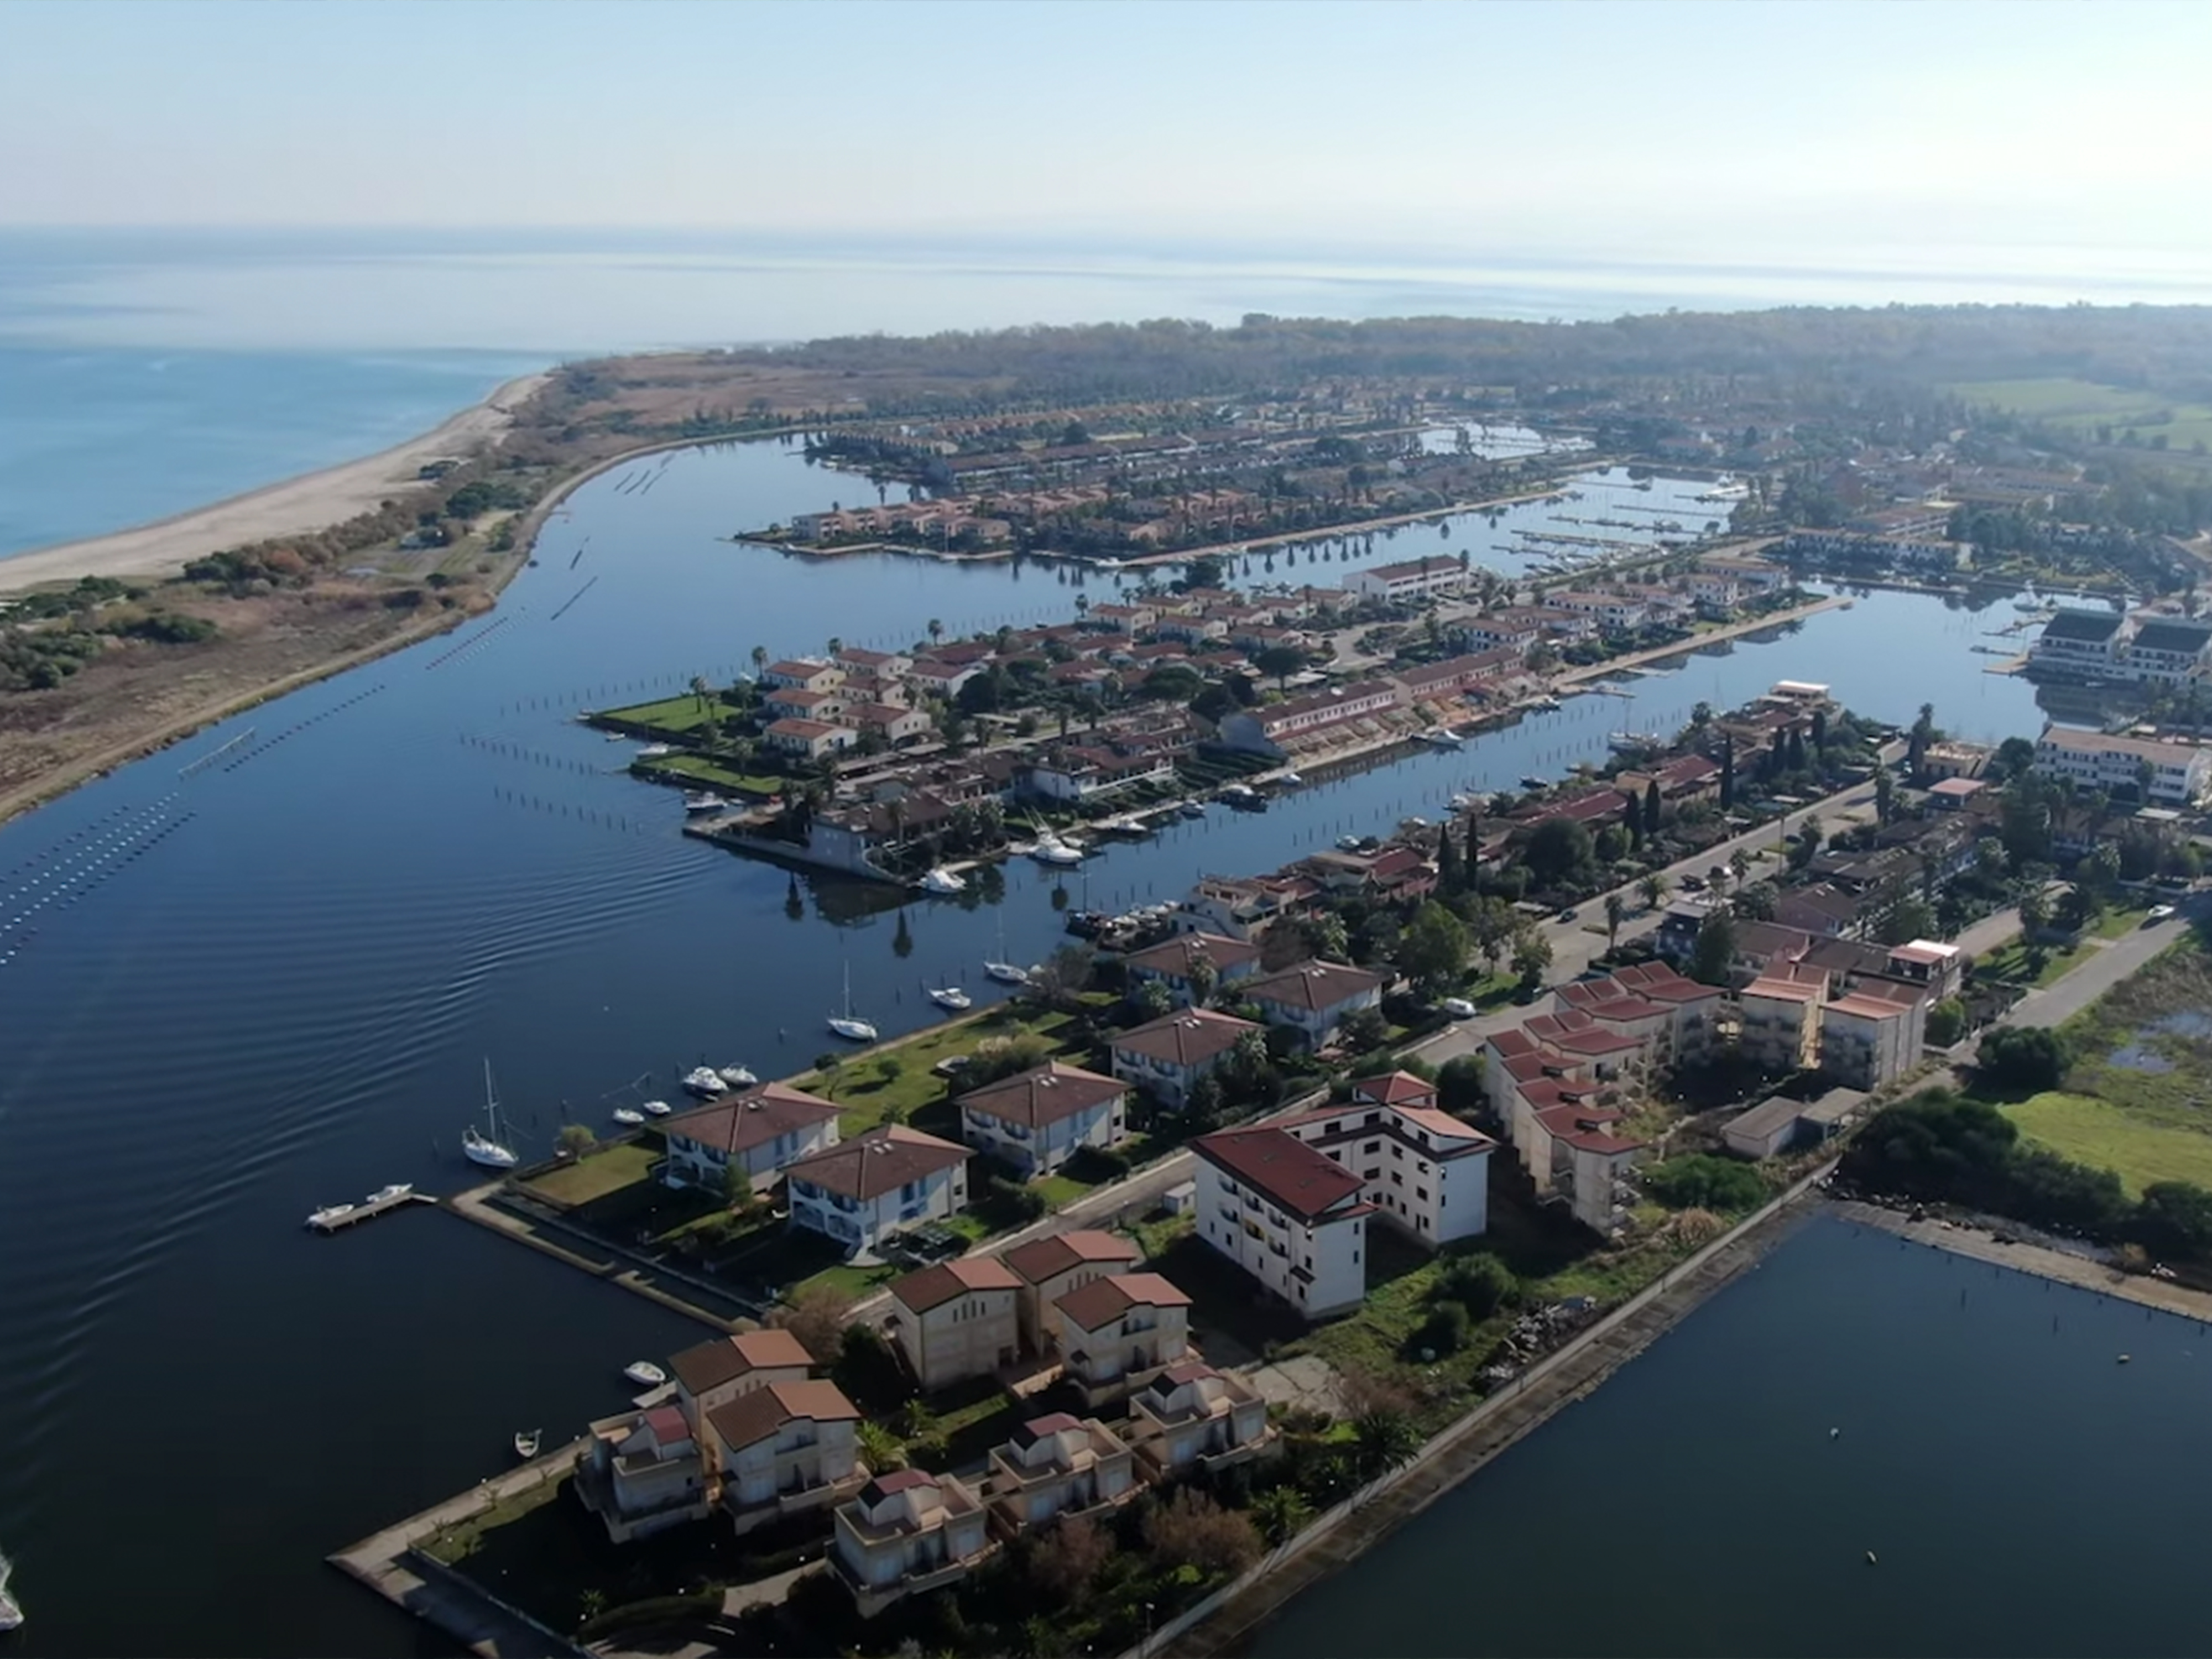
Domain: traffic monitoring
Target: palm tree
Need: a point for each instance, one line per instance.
(835, 645)
(1382, 1440)
(760, 660)
(1739, 861)
(699, 689)
(1654, 888)
(1616, 908)
(936, 630)
(1280, 1512)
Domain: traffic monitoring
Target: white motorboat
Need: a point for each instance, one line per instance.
(952, 997)
(942, 883)
(1347, 843)
(699, 801)
(629, 1115)
(1460, 801)
(705, 1080)
(645, 1373)
(487, 1149)
(1051, 849)
(1290, 779)
(396, 1189)
(737, 1077)
(329, 1213)
(1441, 736)
(1240, 794)
(656, 1109)
(526, 1441)
(655, 751)
(1191, 809)
(848, 1025)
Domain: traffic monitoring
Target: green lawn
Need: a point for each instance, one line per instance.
(2010, 962)
(896, 1080)
(674, 716)
(2084, 404)
(2095, 1132)
(708, 769)
(597, 1174)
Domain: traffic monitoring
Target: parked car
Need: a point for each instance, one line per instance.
(2157, 913)
(1694, 884)
(1568, 914)
(1457, 1007)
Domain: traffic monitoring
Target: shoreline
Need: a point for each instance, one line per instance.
(301, 505)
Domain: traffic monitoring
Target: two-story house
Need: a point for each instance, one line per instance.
(1113, 1333)
(802, 674)
(1314, 998)
(858, 1191)
(1038, 1119)
(786, 1449)
(1051, 1267)
(715, 1373)
(907, 1533)
(1167, 1056)
(1192, 1417)
(642, 1473)
(759, 1131)
(1286, 1214)
(956, 1320)
(1187, 960)
(1421, 1167)
(1054, 1466)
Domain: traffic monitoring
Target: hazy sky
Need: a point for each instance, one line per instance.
(1761, 132)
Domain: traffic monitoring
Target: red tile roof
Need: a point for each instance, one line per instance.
(1315, 986)
(1191, 1037)
(1395, 1089)
(1047, 1258)
(1043, 1095)
(752, 1418)
(883, 1159)
(933, 1287)
(739, 1122)
(1280, 1166)
(710, 1364)
(1102, 1299)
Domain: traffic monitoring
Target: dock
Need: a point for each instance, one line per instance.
(330, 1225)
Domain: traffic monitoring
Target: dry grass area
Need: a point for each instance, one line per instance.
(664, 390)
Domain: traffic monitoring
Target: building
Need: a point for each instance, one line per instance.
(1051, 1267)
(758, 1132)
(1954, 759)
(956, 1320)
(1177, 962)
(1672, 1020)
(1422, 1168)
(1192, 1417)
(808, 739)
(1579, 1157)
(1873, 1034)
(1267, 729)
(858, 1191)
(1113, 1333)
(1938, 968)
(1313, 998)
(2081, 644)
(786, 1449)
(2178, 775)
(714, 1373)
(1955, 794)
(891, 723)
(1614, 613)
(1286, 1214)
(1169, 1054)
(906, 1533)
(1769, 1127)
(1057, 1466)
(1781, 1018)
(1039, 1119)
(642, 1473)
(802, 674)
(2169, 651)
(1409, 579)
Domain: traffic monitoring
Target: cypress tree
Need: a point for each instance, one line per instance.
(1728, 773)
(1651, 807)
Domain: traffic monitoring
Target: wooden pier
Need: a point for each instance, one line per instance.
(370, 1212)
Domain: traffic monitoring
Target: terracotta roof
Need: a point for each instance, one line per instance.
(933, 1287)
(1173, 956)
(1045, 1094)
(1280, 1167)
(666, 1423)
(882, 1160)
(898, 1480)
(713, 1364)
(1047, 1258)
(1586, 1127)
(739, 1122)
(1102, 1299)
(1038, 1428)
(1313, 986)
(1191, 1037)
(752, 1418)
(1395, 1089)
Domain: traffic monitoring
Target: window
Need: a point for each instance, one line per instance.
(1399, 1153)
(1397, 1180)
(1421, 1195)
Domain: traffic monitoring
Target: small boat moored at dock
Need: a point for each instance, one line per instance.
(942, 883)
(392, 1192)
(645, 1373)
(699, 802)
(1191, 809)
(629, 1115)
(848, 1025)
(952, 997)
(737, 1077)
(329, 1214)
(526, 1441)
(1440, 737)
(489, 1150)
(705, 1081)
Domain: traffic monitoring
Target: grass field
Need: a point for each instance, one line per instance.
(721, 775)
(675, 715)
(2095, 1132)
(2084, 404)
(597, 1176)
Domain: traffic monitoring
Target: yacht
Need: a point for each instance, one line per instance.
(952, 997)
(1290, 779)
(629, 1115)
(1240, 794)
(645, 1373)
(1347, 843)
(699, 801)
(656, 1109)
(1051, 849)
(1460, 801)
(1532, 781)
(489, 1149)
(655, 751)
(1191, 809)
(329, 1213)
(1441, 736)
(847, 1025)
(1005, 973)
(737, 1077)
(395, 1191)
(705, 1080)
(942, 883)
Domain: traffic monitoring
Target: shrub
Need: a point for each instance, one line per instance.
(1946, 1022)
(576, 1140)
(1096, 1165)
(1190, 1530)
(1701, 1180)
(1479, 1284)
(1444, 1332)
(2029, 1059)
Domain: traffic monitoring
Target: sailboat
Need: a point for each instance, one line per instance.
(1002, 970)
(845, 1025)
(489, 1150)
(11, 1612)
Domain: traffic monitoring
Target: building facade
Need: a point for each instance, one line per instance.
(1039, 1119)
(859, 1192)
(1286, 1213)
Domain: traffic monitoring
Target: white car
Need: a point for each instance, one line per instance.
(2159, 913)
(1457, 1007)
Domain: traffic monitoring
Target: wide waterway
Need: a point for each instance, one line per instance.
(2020, 1490)
(228, 996)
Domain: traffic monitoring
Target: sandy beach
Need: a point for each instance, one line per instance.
(311, 502)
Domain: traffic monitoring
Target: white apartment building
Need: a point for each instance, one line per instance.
(2180, 772)
(2169, 651)
(1421, 1167)
(1039, 1119)
(1054, 1466)
(1409, 579)
(1313, 998)
(1176, 962)
(906, 1533)
(802, 674)
(1265, 730)
(1616, 613)
(1286, 1214)
(1049, 1267)
(1874, 1034)
(1193, 1417)
(858, 1192)
(714, 1373)
(758, 1132)
(642, 1473)
(956, 1320)
(2081, 643)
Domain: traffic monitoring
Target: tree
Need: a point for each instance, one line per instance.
(1616, 912)
(936, 630)
(1700, 1181)
(1062, 976)
(1558, 851)
(1202, 1104)
(1947, 1023)
(1382, 1439)
(1651, 807)
(1151, 999)
(1282, 661)
(1494, 923)
(2034, 912)
(1793, 755)
(2175, 1220)
(1884, 794)
(881, 1450)
(1910, 920)
(1281, 1513)
(1532, 955)
(1728, 773)
(817, 1315)
(1480, 1284)
(1451, 869)
(1459, 1086)
(1916, 744)
(1654, 888)
(1433, 949)
(1190, 1530)
(1066, 1557)
(2025, 1059)
(759, 660)
(575, 1139)
(1713, 961)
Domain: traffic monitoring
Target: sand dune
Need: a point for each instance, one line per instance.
(311, 502)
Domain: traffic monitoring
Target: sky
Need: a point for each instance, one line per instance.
(1766, 134)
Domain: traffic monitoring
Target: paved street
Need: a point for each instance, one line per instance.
(2101, 971)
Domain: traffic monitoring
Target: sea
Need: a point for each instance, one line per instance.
(265, 971)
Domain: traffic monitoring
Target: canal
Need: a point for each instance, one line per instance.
(231, 994)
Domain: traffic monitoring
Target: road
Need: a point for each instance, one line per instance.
(2083, 984)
